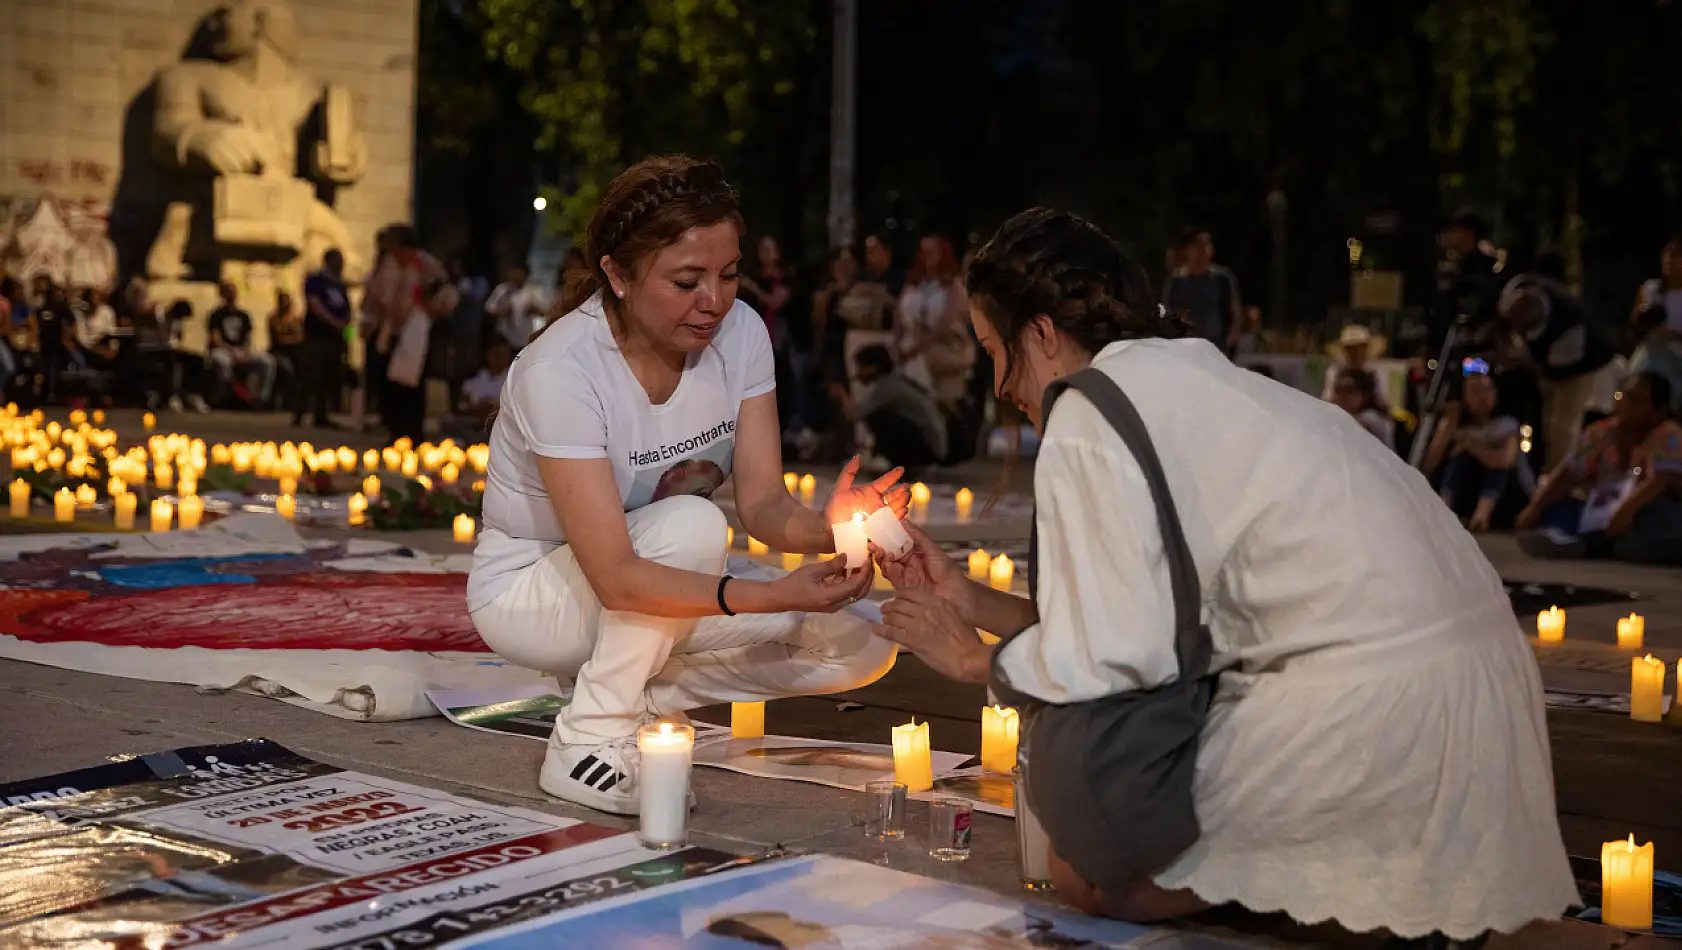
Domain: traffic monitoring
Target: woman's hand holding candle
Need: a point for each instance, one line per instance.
(824, 587)
(848, 499)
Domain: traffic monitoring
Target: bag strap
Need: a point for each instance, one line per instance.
(1192, 646)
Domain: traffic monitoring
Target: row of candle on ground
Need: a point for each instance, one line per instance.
(806, 488)
(123, 507)
(913, 761)
(1550, 628)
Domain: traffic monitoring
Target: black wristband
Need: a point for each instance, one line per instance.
(721, 604)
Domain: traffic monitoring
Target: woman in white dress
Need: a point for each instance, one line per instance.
(930, 333)
(1376, 752)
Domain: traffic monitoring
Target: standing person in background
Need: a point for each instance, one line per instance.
(286, 345)
(365, 401)
(412, 290)
(14, 330)
(517, 306)
(1203, 290)
(1543, 332)
(879, 268)
(467, 323)
(326, 315)
(844, 306)
(1356, 348)
(1656, 320)
(766, 286)
(54, 326)
(934, 344)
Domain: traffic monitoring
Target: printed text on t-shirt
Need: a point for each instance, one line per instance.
(680, 449)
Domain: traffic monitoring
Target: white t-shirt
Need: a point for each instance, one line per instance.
(517, 310)
(570, 395)
(484, 387)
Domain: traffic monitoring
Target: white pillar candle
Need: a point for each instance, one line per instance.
(999, 726)
(667, 749)
(1550, 625)
(1001, 572)
(1031, 841)
(370, 460)
(792, 562)
(86, 495)
(463, 528)
(64, 505)
(808, 488)
(346, 458)
(1626, 885)
(965, 498)
(913, 767)
(190, 511)
(162, 512)
(756, 547)
(125, 505)
(979, 560)
(852, 541)
(884, 530)
(285, 506)
(791, 482)
(1631, 631)
(1646, 689)
(371, 485)
(747, 720)
(20, 498)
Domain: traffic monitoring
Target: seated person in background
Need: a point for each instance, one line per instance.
(157, 332)
(286, 341)
(481, 395)
(1356, 348)
(96, 330)
(1481, 451)
(902, 416)
(1356, 392)
(55, 321)
(1629, 470)
(231, 353)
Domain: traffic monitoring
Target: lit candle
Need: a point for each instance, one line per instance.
(979, 559)
(479, 486)
(285, 506)
(885, 531)
(919, 499)
(220, 454)
(463, 527)
(392, 458)
(667, 750)
(55, 457)
(116, 486)
(347, 458)
(791, 482)
(326, 461)
(86, 496)
(288, 485)
(792, 561)
(371, 486)
(191, 510)
(1000, 572)
(148, 422)
(449, 473)
(125, 505)
(1626, 885)
(370, 460)
(20, 498)
(188, 485)
(162, 512)
(99, 417)
(965, 499)
(808, 487)
(404, 445)
(78, 417)
(1646, 689)
(64, 505)
(912, 766)
(729, 538)
(747, 720)
(756, 546)
(358, 504)
(411, 464)
(479, 456)
(1550, 625)
(164, 476)
(998, 738)
(852, 541)
(1631, 630)
(424, 481)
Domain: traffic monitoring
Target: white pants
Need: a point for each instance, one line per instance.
(627, 664)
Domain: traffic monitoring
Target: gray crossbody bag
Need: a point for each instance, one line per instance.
(1111, 779)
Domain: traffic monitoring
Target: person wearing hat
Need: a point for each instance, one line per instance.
(1356, 348)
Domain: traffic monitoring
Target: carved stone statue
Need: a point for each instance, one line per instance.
(240, 119)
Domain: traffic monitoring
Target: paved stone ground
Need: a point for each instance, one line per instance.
(1613, 776)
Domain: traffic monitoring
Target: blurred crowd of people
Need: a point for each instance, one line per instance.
(1522, 378)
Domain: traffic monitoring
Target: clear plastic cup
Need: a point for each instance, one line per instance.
(886, 817)
(949, 828)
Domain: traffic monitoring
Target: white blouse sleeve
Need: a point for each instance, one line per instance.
(1105, 602)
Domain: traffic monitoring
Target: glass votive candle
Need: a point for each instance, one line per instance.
(949, 828)
(667, 750)
(1033, 847)
(886, 816)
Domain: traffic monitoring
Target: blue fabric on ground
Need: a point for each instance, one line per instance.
(182, 572)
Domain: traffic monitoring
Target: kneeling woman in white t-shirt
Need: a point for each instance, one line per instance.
(601, 558)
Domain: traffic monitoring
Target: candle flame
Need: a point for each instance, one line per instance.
(858, 516)
(666, 730)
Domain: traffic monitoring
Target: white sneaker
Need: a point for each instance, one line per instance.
(199, 405)
(175, 404)
(603, 777)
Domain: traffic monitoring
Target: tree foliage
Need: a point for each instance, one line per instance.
(613, 81)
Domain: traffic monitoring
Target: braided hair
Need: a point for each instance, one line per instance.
(1050, 262)
(647, 207)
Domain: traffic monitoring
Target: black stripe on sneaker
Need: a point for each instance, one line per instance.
(583, 766)
(608, 785)
(602, 771)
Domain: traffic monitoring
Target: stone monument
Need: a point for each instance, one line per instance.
(233, 140)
